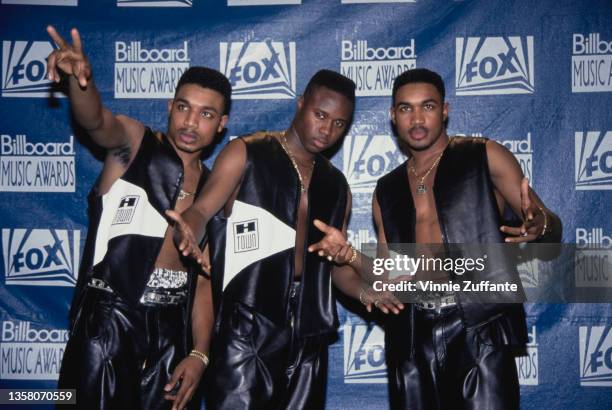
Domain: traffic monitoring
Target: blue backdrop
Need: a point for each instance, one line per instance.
(536, 76)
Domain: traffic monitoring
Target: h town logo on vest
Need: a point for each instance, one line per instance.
(246, 236)
(154, 3)
(126, 210)
(259, 69)
(494, 65)
(595, 355)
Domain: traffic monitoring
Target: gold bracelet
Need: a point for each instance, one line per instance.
(545, 228)
(200, 355)
(353, 256)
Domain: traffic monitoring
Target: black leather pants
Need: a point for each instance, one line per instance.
(256, 364)
(119, 356)
(453, 367)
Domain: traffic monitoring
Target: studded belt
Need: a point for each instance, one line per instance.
(438, 303)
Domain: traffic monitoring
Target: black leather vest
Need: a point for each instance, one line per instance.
(467, 214)
(128, 224)
(253, 250)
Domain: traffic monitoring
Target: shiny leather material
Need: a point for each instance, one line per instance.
(454, 367)
(256, 364)
(269, 349)
(271, 183)
(462, 185)
(120, 357)
(158, 170)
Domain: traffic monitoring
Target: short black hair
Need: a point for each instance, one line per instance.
(334, 81)
(208, 78)
(419, 75)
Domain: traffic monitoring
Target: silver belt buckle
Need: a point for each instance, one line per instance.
(161, 299)
(99, 284)
(438, 303)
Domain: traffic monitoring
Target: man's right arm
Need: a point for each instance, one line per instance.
(107, 130)
(223, 180)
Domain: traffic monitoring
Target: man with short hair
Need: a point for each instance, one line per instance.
(139, 307)
(274, 304)
(446, 352)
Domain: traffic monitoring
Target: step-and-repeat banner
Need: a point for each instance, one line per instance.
(534, 75)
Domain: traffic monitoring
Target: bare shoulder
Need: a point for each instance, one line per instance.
(501, 161)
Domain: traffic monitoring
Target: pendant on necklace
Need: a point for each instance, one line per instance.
(421, 189)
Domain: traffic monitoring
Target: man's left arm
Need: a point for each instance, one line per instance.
(347, 280)
(190, 370)
(538, 222)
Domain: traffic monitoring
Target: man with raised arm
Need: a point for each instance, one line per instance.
(444, 353)
(139, 307)
(274, 304)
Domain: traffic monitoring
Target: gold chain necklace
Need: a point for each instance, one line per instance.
(285, 146)
(421, 189)
(184, 194)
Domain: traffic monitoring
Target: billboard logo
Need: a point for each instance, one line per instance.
(374, 69)
(261, 2)
(154, 3)
(591, 63)
(595, 356)
(36, 166)
(364, 354)
(593, 160)
(41, 257)
(494, 65)
(24, 69)
(264, 70)
(523, 153)
(43, 2)
(593, 258)
(246, 236)
(148, 73)
(366, 158)
(527, 365)
(30, 352)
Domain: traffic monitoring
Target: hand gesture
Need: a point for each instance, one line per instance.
(185, 240)
(534, 219)
(68, 58)
(385, 301)
(334, 245)
(189, 372)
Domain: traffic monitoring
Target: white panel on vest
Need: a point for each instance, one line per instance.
(126, 210)
(252, 234)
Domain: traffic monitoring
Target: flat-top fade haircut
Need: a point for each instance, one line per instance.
(333, 81)
(208, 78)
(419, 75)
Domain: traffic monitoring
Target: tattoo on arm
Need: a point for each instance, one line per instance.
(123, 154)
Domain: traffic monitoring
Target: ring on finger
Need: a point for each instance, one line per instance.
(329, 258)
(376, 303)
(524, 234)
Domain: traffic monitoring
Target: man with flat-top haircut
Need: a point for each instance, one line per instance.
(139, 307)
(443, 353)
(274, 304)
